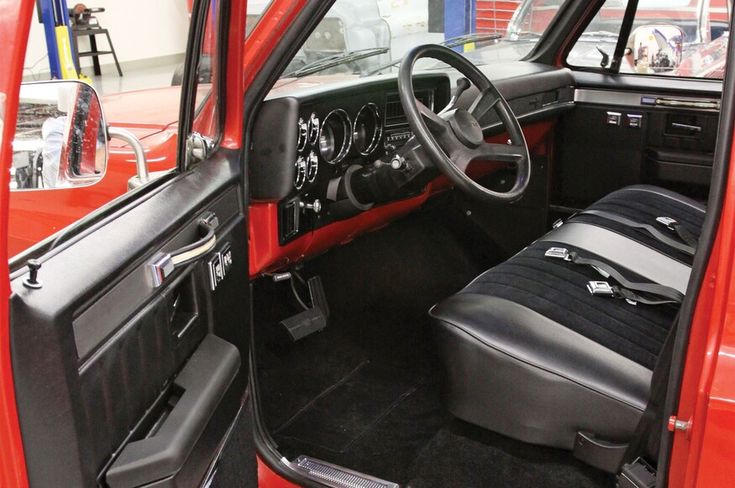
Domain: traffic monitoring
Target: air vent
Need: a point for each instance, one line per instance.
(394, 114)
(289, 227)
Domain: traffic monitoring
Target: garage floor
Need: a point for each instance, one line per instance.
(134, 78)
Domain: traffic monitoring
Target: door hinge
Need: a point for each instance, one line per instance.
(678, 424)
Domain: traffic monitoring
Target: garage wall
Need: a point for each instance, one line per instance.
(140, 29)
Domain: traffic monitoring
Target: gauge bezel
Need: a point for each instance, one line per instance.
(314, 129)
(312, 161)
(346, 145)
(301, 172)
(377, 133)
(303, 134)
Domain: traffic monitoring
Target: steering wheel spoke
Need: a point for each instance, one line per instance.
(434, 122)
(488, 152)
(454, 139)
(486, 101)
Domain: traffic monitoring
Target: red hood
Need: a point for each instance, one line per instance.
(143, 112)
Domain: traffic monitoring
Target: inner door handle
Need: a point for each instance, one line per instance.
(163, 264)
(690, 128)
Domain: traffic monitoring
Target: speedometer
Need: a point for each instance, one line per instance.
(368, 129)
(335, 138)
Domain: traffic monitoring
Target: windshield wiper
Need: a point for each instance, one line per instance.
(335, 60)
(451, 42)
(469, 38)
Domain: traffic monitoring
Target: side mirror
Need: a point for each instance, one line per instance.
(60, 137)
(655, 48)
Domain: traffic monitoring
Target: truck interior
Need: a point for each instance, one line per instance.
(501, 323)
(474, 267)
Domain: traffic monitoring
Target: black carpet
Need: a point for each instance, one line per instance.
(364, 393)
(464, 456)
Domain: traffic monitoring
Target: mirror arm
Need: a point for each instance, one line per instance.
(141, 163)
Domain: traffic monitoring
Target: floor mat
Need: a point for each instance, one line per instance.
(464, 456)
(345, 412)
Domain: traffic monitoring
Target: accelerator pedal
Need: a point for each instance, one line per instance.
(337, 476)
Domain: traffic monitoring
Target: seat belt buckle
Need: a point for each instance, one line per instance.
(601, 289)
(558, 253)
(667, 222)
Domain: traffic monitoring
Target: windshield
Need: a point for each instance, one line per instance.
(362, 37)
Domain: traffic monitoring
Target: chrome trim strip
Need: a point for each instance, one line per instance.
(633, 99)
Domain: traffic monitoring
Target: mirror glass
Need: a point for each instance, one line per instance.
(655, 49)
(60, 137)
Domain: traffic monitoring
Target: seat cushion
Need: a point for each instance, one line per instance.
(557, 289)
(530, 353)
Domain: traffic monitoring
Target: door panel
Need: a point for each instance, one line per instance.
(120, 382)
(635, 129)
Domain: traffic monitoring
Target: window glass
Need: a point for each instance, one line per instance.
(64, 168)
(206, 120)
(679, 38)
(381, 32)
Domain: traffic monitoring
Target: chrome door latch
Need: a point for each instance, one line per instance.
(678, 424)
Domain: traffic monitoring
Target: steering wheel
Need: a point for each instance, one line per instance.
(454, 138)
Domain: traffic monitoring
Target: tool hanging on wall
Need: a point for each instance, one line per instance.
(54, 15)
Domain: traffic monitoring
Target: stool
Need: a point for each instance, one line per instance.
(86, 24)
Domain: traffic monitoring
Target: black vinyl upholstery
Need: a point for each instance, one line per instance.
(530, 353)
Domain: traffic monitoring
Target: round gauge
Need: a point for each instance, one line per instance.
(368, 130)
(335, 137)
(312, 166)
(303, 136)
(301, 171)
(313, 129)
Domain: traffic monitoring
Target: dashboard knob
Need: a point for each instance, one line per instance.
(316, 206)
(397, 162)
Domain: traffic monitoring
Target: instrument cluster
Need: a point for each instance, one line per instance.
(332, 139)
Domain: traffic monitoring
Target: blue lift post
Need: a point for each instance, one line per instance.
(53, 14)
(460, 18)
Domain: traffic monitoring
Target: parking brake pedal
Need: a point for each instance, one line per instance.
(313, 319)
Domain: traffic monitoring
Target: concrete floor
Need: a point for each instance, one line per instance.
(139, 78)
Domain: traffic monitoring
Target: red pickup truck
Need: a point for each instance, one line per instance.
(451, 272)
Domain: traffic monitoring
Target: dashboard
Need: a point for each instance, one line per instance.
(307, 145)
(314, 134)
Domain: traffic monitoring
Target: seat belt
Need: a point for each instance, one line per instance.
(680, 230)
(688, 246)
(628, 290)
(636, 472)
